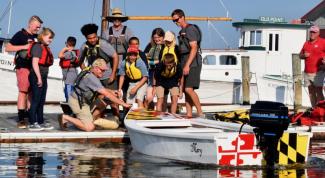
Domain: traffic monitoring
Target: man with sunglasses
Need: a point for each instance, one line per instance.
(191, 61)
(19, 43)
(87, 88)
(313, 52)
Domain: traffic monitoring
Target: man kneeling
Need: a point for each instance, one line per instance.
(87, 87)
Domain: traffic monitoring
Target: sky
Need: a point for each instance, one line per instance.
(66, 17)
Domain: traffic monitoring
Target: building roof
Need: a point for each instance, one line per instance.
(314, 13)
(259, 23)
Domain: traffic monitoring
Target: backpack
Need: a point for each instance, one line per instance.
(82, 95)
(93, 52)
(184, 39)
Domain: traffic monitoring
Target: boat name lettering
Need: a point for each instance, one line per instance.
(272, 19)
(195, 149)
(6, 62)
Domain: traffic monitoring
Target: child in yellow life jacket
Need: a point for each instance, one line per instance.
(134, 71)
(168, 78)
(42, 59)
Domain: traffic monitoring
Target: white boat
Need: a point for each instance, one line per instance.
(269, 43)
(204, 141)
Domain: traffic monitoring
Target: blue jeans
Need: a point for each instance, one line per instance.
(38, 99)
(68, 89)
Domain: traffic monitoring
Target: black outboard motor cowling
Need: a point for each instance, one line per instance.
(269, 116)
(270, 120)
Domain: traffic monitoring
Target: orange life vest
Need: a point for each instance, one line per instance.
(47, 57)
(67, 63)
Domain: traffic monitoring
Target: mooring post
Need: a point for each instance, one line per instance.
(297, 79)
(245, 79)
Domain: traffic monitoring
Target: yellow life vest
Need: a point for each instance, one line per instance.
(172, 71)
(170, 50)
(132, 71)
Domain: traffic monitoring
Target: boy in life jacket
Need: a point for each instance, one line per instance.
(19, 43)
(87, 88)
(42, 59)
(69, 62)
(134, 71)
(168, 77)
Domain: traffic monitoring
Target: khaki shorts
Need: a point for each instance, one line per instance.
(316, 79)
(130, 99)
(22, 75)
(83, 114)
(160, 91)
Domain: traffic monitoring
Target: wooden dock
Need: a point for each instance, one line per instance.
(9, 133)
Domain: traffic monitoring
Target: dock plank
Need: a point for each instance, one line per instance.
(9, 132)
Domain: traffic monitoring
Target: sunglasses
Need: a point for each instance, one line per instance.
(176, 20)
(102, 70)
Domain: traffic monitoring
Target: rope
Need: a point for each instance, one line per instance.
(3, 15)
(92, 17)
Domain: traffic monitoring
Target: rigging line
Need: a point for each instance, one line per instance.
(223, 5)
(5, 12)
(92, 17)
(7, 9)
(221, 36)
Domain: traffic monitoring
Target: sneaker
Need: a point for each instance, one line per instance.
(47, 126)
(21, 124)
(35, 127)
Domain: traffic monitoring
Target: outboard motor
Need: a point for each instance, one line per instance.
(270, 120)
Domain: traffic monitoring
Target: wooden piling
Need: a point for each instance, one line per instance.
(297, 79)
(245, 79)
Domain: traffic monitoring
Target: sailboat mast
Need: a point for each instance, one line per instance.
(105, 13)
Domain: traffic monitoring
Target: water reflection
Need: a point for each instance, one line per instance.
(118, 160)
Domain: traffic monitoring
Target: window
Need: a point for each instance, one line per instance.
(210, 60)
(274, 42)
(243, 39)
(228, 60)
(276, 48)
(255, 38)
(270, 42)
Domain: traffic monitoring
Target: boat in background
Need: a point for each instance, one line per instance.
(9, 90)
(269, 42)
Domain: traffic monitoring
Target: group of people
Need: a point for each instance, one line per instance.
(313, 53)
(114, 71)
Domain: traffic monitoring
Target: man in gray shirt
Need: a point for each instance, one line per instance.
(191, 60)
(88, 86)
(118, 35)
